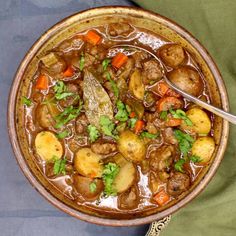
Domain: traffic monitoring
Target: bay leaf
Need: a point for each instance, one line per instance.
(97, 103)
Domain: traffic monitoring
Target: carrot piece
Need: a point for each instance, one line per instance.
(42, 82)
(139, 125)
(132, 114)
(172, 122)
(119, 60)
(93, 37)
(161, 197)
(69, 72)
(163, 89)
(166, 103)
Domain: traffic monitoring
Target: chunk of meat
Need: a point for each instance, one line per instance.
(98, 51)
(161, 158)
(73, 99)
(89, 59)
(178, 183)
(129, 199)
(139, 57)
(187, 79)
(152, 71)
(104, 148)
(119, 29)
(168, 135)
(81, 124)
(172, 55)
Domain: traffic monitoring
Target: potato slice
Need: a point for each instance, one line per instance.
(87, 163)
(47, 146)
(82, 185)
(131, 146)
(201, 121)
(203, 147)
(136, 85)
(125, 178)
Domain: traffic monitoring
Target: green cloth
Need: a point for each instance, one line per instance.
(212, 22)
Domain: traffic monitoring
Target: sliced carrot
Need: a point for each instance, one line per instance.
(139, 125)
(132, 114)
(42, 82)
(166, 103)
(69, 72)
(172, 122)
(163, 89)
(93, 37)
(119, 60)
(161, 197)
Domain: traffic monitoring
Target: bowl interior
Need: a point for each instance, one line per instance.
(67, 28)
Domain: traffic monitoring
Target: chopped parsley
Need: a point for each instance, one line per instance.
(179, 165)
(132, 122)
(105, 63)
(195, 159)
(122, 114)
(81, 62)
(26, 101)
(63, 134)
(113, 84)
(93, 133)
(59, 166)
(185, 141)
(93, 186)
(163, 115)
(110, 171)
(146, 134)
(180, 114)
(67, 115)
(107, 126)
(61, 91)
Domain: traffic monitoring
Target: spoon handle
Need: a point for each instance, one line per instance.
(217, 111)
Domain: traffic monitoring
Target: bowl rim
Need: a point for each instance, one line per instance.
(95, 219)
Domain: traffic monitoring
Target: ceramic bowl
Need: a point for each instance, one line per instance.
(65, 29)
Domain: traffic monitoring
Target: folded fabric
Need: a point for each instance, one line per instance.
(212, 22)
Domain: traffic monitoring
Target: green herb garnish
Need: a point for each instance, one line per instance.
(180, 114)
(92, 186)
(93, 133)
(163, 115)
(122, 114)
(26, 101)
(105, 63)
(146, 134)
(110, 171)
(195, 159)
(107, 126)
(113, 84)
(60, 91)
(185, 141)
(179, 165)
(81, 62)
(67, 115)
(63, 134)
(59, 166)
(132, 122)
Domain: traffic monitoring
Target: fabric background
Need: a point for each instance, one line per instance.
(23, 211)
(212, 22)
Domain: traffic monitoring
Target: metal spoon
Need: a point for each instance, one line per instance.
(225, 115)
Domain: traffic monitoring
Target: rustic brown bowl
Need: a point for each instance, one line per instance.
(68, 27)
